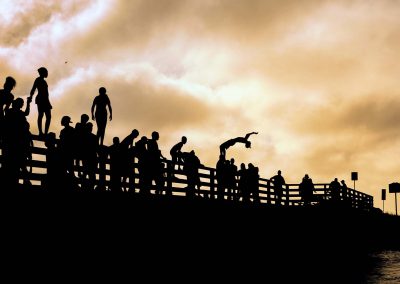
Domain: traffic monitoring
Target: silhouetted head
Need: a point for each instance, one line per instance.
(18, 103)
(279, 172)
(343, 181)
(143, 139)
(115, 140)
(242, 166)
(9, 84)
(84, 118)
(65, 120)
(102, 91)
(306, 176)
(50, 140)
(336, 180)
(232, 161)
(155, 135)
(43, 72)
(248, 144)
(192, 153)
(251, 166)
(135, 133)
(184, 139)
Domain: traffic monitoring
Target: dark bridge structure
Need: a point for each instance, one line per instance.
(176, 184)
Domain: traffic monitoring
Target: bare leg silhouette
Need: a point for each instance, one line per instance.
(48, 120)
(40, 118)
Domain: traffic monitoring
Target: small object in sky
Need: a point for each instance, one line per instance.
(66, 62)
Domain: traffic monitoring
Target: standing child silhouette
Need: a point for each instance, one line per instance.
(99, 113)
(42, 100)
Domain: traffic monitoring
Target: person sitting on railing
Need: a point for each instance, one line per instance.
(334, 190)
(245, 140)
(279, 182)
(176, 152)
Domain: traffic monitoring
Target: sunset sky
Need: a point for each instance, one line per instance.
(319, 80)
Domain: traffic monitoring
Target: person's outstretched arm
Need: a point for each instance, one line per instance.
(110, 109)
(28, 106)
(92, 110)
(249, 134)
(34, 87)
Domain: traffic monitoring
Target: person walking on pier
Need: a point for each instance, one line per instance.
(99, 113)
(279, 182)
(306, 189)
(42, 100)
(227, 144)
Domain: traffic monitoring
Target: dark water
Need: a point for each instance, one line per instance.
(385, 267)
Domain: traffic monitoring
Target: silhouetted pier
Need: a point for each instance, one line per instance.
(175, 183)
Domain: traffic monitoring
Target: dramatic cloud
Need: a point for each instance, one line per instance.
(317, 79)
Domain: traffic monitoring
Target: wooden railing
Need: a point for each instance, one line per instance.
(175, 182)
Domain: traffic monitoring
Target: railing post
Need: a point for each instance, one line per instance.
(170, 174)
(212, 184)
(287, 195)
(269, 192)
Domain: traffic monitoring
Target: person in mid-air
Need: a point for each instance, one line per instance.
(227, 144)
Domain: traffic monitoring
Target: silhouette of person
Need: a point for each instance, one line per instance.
(42, 100)
(221, 177)
(227, 144)
(89, 158)
(16, 142)
(279, 182)
(6, 99)
(231, 169)
(334, 188)
(155, 163)
(143, 165)
(176, 152)
(253, 181)
(127, 151)
(191, 167)
(80, 130)
(344, 189)
(306, 189)
(66, 144)
(243, 183)
(99, 113)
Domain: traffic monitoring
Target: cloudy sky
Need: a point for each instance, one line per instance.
(319, 80)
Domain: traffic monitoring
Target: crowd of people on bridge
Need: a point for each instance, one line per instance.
(78, 159)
